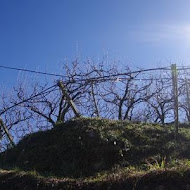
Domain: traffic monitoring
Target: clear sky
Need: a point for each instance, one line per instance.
(41, 34)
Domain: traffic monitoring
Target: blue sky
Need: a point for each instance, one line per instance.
(41, 34)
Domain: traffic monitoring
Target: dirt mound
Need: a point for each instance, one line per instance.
(84, 147)
(76, 148)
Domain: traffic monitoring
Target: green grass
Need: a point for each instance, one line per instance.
(83, 147)
(97, 150)
(125, 178)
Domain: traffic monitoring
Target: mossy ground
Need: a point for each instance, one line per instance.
(165, 179)
(102, 154)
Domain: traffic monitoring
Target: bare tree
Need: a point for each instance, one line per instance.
(184, 103)
(126, 93)
(96, 90)
(161, 104)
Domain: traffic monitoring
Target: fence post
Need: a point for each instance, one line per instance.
(3, 126)
(188, 99)
(175, 96)
(94, 100)
(69, 99)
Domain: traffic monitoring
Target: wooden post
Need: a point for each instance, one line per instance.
(175, 96)
(3, 126)
(94, 100)
(188, 99)
(69, 99)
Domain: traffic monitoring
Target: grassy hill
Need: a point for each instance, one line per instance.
(100, 154)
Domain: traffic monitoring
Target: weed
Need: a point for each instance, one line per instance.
(154, 164)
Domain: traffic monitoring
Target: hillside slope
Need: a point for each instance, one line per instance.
(83, 147)
(89, 151)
